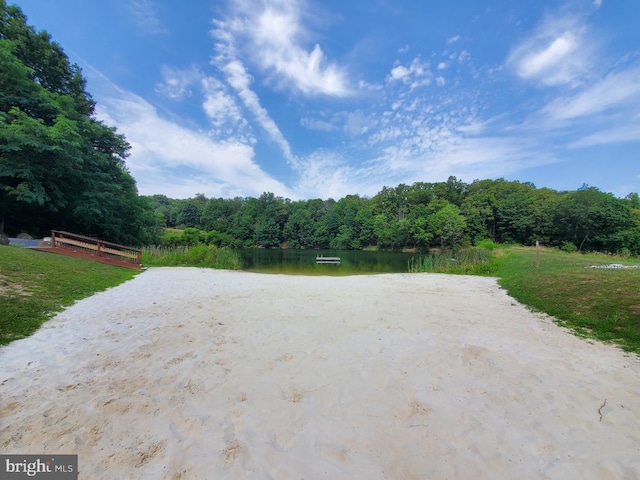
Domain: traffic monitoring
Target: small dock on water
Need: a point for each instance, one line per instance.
(322, 259)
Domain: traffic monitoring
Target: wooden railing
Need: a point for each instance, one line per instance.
(94, 246)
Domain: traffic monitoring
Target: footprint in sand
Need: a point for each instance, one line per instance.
(231, 453)
(142, 458)
(295, 395)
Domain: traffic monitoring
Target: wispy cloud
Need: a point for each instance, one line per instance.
(145, 16)
(238, 78)
(274, 37)
(558, 52)
(224, 168)
(328, 174)
(224, 114)
(422, 137)
(177, 83)
(619, 134)
(615, 90)
(313, 123)
(462, 57)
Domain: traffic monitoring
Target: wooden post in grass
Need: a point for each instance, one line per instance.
(537, 254)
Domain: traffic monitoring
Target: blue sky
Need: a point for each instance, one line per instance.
(324, 98)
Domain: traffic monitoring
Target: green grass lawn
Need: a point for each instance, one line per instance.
(594, 303)
(35, 285)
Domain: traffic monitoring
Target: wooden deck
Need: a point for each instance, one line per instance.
(88, 256)
(79, 246)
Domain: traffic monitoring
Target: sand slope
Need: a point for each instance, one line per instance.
(204, 374)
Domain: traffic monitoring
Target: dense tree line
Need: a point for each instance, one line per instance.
(420, 216)
(59, 166)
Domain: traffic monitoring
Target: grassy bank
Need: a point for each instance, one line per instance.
(468, 261)
(34, 285)
(593, 302)
(205, 256)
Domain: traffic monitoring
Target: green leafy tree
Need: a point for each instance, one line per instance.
(343, 240)
(448, 226)
(191, 236)
(592, 219)
(59, 166)
(453, 190)
(299, 230)
(364, 222)
(420, 231)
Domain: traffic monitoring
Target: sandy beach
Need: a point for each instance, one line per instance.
(185, 373)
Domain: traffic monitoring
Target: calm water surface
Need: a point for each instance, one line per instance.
(304, 261)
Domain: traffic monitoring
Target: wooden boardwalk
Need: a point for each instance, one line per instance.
(79, 246)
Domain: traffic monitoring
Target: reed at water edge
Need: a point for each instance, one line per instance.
(464, 261)
(206, 256)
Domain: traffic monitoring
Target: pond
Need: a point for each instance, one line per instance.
(352, 262)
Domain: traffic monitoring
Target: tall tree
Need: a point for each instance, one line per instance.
(448, 225)
(59, 166)
(591, 219)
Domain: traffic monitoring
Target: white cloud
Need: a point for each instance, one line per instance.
(143, 13)
(453, 39)
(177, 82)
(414, 140)
(353, 123)
(487, 157)
(416, 74)
(172, 159)
(273, 34)
(616, 90)
(440, 81)
(327, 175)
(550, 58)
(418, 138)
(549, 65)
(463, 56)
(434, 146)
(240, 80)
(556, 53)
(399, 73)
(619, 134)
(597, 3)
(224, 113)
(442, 66)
